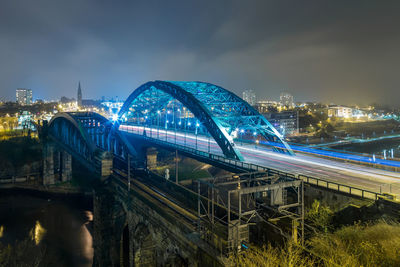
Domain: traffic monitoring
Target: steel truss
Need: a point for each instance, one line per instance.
(201, 108)
(228, 205)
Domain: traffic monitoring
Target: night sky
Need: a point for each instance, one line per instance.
(332, 51)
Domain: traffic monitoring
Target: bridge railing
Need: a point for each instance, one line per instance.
(20, 179)
(348, 189)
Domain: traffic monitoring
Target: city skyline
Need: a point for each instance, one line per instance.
(326, 52)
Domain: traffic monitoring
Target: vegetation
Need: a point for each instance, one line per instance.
(187, 169)
(320, 216)
(369, 244)
(18, 151)
(8, 123)
(352, 246)
(360, 245)
(369, 128)
(289, 255)
(23, 253)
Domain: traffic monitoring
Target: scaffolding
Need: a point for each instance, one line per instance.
(228, 205)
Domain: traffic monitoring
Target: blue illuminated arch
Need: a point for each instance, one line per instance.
(220, 111)
(88, 133)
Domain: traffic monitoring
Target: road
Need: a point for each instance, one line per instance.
(359, 176)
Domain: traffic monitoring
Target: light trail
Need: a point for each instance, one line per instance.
(349, 174)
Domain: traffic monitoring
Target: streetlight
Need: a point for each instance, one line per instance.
(255, 137)
(197, 125)
(241, 136)
(187, 124)
(158, 124)
(180, 116)
(166, 128)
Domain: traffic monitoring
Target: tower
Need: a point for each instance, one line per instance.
(79, 95)
(24, 96)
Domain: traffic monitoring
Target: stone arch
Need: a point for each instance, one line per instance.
(145, 251)
(125, 247)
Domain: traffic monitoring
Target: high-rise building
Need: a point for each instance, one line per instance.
(286, 122)
(250, 97)
(286, 99)
(24, 96)
(79, 95)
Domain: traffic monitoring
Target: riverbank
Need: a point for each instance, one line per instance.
(60, 193)
(43, 226)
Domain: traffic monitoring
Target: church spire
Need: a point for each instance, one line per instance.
(79, 94)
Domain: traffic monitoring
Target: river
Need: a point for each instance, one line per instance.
(376, 148)
(46, 232)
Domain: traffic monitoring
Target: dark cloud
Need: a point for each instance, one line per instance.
(333, 51)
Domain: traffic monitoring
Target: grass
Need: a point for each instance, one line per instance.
(19, 151)
(353, 246)
(287, 256)
(368, 128)
(187, 169)
(360, 245)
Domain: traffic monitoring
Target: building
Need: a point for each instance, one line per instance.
(79, 95)
(265, 106)
(24, 96)
(286, 99)
(250, 97)
(340, 112)
(286, 122)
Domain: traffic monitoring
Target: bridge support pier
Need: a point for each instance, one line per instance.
(48, 164)
(108, 220)
(66, 163)
(151, 157)
(106, 164)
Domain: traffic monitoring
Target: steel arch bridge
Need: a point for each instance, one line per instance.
(87, 135)
(199, 108)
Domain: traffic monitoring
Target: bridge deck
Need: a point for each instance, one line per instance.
(364, 177)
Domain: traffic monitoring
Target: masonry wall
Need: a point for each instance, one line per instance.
(157, 237)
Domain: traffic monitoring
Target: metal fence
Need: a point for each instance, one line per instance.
(351, 190)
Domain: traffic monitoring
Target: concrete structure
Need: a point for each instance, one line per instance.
(264, 106)
(286, 99)
(142, 218)
(137, 229)
(57, 164)
(286, 122)
(250, 97)
(340, 112)
(24, 96)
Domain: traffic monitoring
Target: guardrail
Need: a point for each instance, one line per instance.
(14, 179)
(351, 190)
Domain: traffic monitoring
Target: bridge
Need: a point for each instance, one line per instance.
(212, 125)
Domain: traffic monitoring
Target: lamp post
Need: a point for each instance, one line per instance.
(208, 142)
(241, 136)
(255, 137)
(197, 125)
(158, 124)
(166, 128)
(187, 124)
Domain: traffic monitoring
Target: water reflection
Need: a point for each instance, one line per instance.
(37, 233)
(60, 233)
